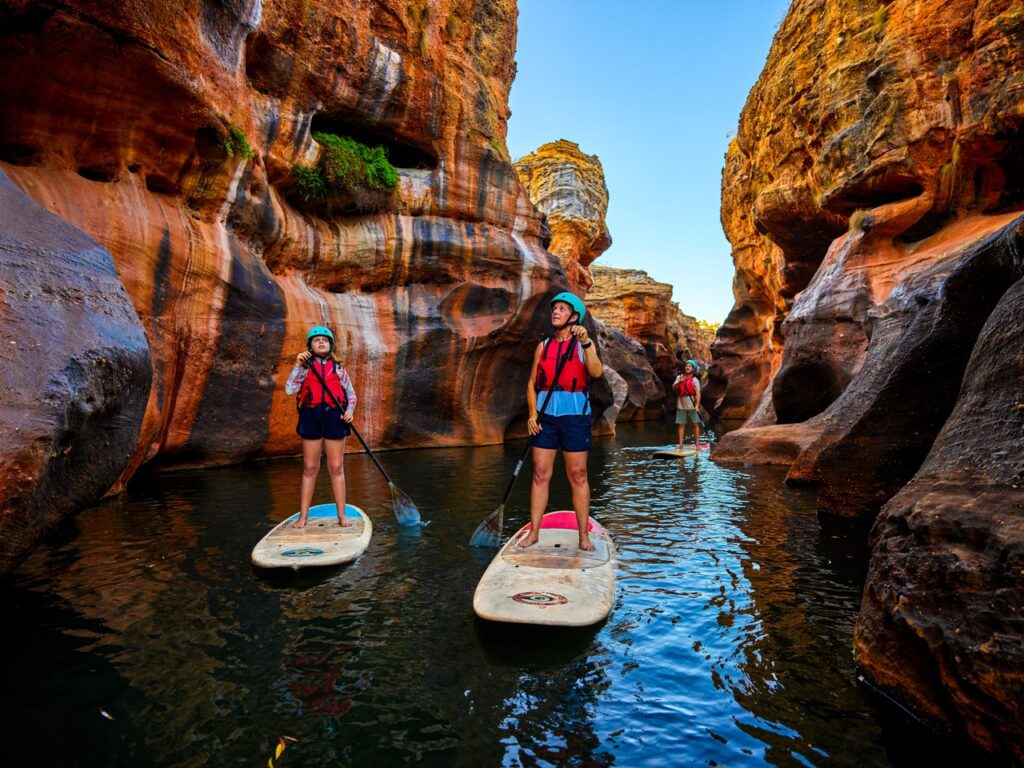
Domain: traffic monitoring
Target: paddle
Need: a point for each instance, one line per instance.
(488, 533)
(405, 509)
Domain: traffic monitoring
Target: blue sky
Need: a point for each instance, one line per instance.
(654, 89)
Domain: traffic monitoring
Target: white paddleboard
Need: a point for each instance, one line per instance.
(553, 582)
(679, 453)
(321, 542)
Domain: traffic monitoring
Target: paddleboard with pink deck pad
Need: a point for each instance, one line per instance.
(553, 582)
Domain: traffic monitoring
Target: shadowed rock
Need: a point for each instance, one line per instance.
(76, 372)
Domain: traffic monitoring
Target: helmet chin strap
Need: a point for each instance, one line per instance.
(567, 323)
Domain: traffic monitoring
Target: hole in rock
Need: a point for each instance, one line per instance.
(97, 174)
(401, 154)
(20, 154)
(1004, 179)
(267, 65)
(160, 184)
(804, 390)
(875, 191)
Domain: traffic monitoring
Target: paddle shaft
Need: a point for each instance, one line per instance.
(543, 408)
(350, 424)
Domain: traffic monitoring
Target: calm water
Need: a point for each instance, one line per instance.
(729, 644)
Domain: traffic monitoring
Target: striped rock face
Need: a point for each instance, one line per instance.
(126, 123)
(168, 133)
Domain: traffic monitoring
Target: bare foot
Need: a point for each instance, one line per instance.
(529, 539)
(300, 523)
(585, 544)
(344, 522)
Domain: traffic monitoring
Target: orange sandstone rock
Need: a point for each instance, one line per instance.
(168, 133)
(568, 187)
(873, 197)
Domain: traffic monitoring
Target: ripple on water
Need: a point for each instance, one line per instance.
(729, 642)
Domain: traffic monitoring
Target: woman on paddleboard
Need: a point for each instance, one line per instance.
(326, 401)
(562, 368)
(687, 387)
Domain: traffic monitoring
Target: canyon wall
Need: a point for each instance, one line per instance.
(642, 308)
(164, 138)
(873, 199)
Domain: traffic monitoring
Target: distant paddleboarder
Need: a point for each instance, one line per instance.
(322, 385)
(687, 387)
(562, 368)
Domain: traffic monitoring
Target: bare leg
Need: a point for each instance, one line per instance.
(696, 436)
(543, 461)
(335, 450)
(311, 450)
(576, 469)
(682, 434)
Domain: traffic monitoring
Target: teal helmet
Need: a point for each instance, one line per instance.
(319, 330)
(573, 301)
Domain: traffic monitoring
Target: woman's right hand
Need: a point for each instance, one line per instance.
(301, 358)
(533, 426)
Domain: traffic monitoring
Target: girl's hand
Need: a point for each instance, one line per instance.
(301, 358)
(533, 426)
(580, 333)
(346, 417)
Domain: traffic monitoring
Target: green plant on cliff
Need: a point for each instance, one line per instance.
(350, 175)
(710, 327)
(237, 141)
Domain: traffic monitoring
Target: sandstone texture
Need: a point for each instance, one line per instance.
(630, 301)
(168, 133)
(71, 404)
(873, 197)
(568, 187)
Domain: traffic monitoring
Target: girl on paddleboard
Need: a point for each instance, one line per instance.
(322, 385)
(562, 368)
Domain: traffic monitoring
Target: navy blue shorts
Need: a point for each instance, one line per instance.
(570, 433)
(322, 422)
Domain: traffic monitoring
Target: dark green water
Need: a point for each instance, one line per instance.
(729, 644)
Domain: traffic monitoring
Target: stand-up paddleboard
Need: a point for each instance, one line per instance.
(679, 453)
(321, 542)
(553, 582)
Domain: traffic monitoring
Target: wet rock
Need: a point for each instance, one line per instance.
(76, 372)
(942, 621)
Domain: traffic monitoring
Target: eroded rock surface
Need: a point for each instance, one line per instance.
(642, 308)
(168, 132)
(76, 372)
(568, 187)
(873, 199)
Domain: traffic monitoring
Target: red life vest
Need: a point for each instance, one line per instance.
(573, 376)
(312, 391)
(686, 387)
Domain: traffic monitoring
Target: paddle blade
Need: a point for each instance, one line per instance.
(488, 533)
(405, 509)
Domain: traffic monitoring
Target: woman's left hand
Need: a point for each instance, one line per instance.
(580, 333)
(347, 418)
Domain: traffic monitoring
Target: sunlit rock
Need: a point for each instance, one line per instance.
(568, 187)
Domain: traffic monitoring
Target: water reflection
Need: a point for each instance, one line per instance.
(729, 643)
